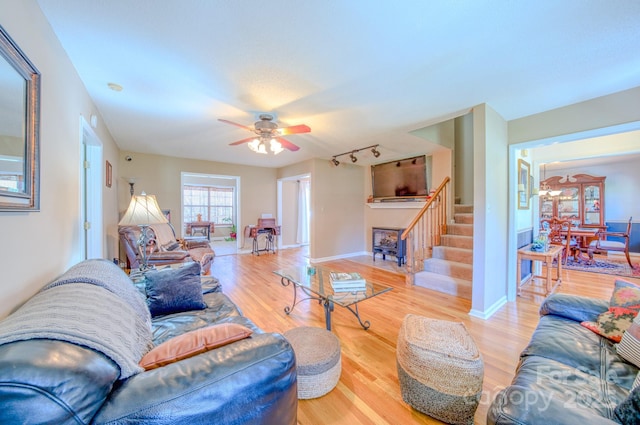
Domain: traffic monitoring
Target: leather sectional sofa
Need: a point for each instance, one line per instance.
(45, 378)
(568, 374)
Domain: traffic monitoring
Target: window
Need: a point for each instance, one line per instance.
(214, 204)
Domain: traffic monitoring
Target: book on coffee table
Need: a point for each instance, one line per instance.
(347, 282)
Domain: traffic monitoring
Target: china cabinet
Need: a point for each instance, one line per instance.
(581, 199)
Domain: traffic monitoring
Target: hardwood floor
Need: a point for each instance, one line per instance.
(368, 391)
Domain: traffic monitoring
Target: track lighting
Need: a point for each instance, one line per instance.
(352, 154)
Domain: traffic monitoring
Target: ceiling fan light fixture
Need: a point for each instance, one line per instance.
(257, 146)
(276, 147)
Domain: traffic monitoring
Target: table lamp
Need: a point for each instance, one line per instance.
(143, 211)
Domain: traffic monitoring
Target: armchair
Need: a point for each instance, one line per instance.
(603, 245)
(163, 247)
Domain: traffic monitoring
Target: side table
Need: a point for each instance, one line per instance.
(554, 253)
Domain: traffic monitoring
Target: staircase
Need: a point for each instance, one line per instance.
(450, 269)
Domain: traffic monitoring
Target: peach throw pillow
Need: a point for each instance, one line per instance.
(193, 343)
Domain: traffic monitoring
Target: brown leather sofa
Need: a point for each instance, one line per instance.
(166, 249)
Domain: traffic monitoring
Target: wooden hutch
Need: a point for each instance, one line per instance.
(581, 200)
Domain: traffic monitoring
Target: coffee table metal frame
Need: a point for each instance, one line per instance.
(315, 284)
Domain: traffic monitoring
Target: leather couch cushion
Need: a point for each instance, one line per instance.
(43, 380)
(193, 343)
(174, 290)
(566, 342)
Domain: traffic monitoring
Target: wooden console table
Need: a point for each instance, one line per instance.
(554, 253)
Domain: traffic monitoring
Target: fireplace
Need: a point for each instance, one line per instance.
(386, 241)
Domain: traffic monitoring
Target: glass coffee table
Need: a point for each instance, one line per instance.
(315, 284)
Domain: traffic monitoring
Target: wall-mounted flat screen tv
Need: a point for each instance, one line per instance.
(402, 178)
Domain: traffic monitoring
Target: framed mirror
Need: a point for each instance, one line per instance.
(19, 129)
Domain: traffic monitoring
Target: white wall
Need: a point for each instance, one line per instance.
(38, 246)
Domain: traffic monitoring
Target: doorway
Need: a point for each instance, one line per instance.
(215, 199)
(92, 170)
(294, 211)
(561, 148)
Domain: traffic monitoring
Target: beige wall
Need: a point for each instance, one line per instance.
(337, 202)
(606, 111)
(161, 176)
(463, 161)
(38, 246)
(490, 231)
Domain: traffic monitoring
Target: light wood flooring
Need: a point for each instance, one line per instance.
(368, 391)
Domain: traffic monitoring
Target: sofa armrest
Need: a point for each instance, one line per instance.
(574, 307)
(249, 381)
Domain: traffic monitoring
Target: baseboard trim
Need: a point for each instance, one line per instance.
(484, 315)
(337, 257)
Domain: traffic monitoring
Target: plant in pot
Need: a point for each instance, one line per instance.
(232, 231)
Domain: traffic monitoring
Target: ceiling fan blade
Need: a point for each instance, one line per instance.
(295, 129)
(287, 144)
(239, 142)
(236, 124)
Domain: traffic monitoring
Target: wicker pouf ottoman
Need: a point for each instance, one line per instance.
(439, 368)
(317, 360)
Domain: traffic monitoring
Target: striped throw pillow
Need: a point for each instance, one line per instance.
(629, 346)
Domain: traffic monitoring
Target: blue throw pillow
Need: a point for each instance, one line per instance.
(174, 290)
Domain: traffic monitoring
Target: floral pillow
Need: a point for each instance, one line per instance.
(623, 308)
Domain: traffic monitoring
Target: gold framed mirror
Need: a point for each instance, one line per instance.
(19, 129)
(524, 184)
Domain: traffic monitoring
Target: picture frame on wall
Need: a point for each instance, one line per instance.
(108, 174)
(524, 184)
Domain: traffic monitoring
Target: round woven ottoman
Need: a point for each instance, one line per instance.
(439, 368)
(317, 360)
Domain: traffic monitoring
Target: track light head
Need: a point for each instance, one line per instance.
(375, 152)
(335, 161)
(353, 157)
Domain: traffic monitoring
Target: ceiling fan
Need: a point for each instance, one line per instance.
(268, 132)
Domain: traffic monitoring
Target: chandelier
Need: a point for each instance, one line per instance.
(259, 145)
(545, 189)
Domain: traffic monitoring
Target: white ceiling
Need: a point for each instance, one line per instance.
(357, 72)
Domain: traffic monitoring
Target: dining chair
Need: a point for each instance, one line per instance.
(602, 244)
(560, 234)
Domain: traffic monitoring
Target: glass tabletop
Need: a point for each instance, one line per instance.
(316, 280)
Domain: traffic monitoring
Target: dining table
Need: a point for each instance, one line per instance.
(583, 236)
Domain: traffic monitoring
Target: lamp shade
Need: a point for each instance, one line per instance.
(143, 210)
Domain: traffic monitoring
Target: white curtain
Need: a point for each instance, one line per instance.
(303, 212)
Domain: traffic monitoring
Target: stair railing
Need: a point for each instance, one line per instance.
(425, 231)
